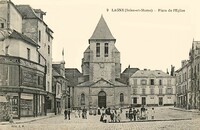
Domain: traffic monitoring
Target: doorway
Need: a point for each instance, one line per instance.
(102, 99)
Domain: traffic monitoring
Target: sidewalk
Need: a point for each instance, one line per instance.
(185, 110)
(28, 119)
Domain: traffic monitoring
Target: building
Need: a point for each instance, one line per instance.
(183, 85)
(126, 74)
(60, 87)
(35, 28)
(72, 74)
(187, 80)
(152, 88)
(195, 75)
(25, 74)
(101, 67)
(22, 74)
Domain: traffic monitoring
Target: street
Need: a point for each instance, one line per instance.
(165, 119)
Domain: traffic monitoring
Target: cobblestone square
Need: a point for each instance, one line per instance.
(166, 118)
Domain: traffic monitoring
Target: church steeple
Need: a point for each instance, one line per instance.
(102, 32)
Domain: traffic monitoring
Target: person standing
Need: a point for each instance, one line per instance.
(134, 114)
(65, 114)
(130, 114)
(127, 115)
(68, 113)
(138, 114)
(112, 116)
(98, 111)
(143, 112)
(147, 114)
(79, 113)
(152, 113)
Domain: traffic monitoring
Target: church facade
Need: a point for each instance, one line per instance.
(100, 84)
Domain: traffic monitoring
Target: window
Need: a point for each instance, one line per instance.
(106, 50)
(82, 99)
(168, 97)
(97, 49)
(121, 97)
(49, 51)
(143, 91)
(151, 81)
(135, 100)
(160, 91)
(38, 58)
(6, 50)
(160, 82)
(169, 91)
(39, 35)
(169, 81)
(2, 25)
(28, 53)
(151, 91)
(134, 91)
(40, 80)
(143, 82)
(135, 81)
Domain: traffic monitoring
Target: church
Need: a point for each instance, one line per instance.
(99, 85)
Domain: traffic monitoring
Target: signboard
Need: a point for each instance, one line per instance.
(29, 78)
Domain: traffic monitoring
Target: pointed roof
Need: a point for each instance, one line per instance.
(102, 31)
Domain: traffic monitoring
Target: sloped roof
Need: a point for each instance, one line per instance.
(115, 50)
(19, 36)
(130, 70)
(102, 31)
(72, 74)
(150, 73)
(72, 71)
(26, 11)
(87, 50)
(55, 73)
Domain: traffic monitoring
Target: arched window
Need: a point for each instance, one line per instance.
(121, 97)
(82, 99)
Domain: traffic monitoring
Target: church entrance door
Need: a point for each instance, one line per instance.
(102, 99)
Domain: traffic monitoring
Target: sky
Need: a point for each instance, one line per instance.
(153, 39)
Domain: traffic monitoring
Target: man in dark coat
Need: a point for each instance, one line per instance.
(130, 114)
(68, 113)
(65, 114)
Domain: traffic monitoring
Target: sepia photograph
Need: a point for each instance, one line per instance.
(99, 65)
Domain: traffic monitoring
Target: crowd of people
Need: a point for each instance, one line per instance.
(142, 114)
(111, 115)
